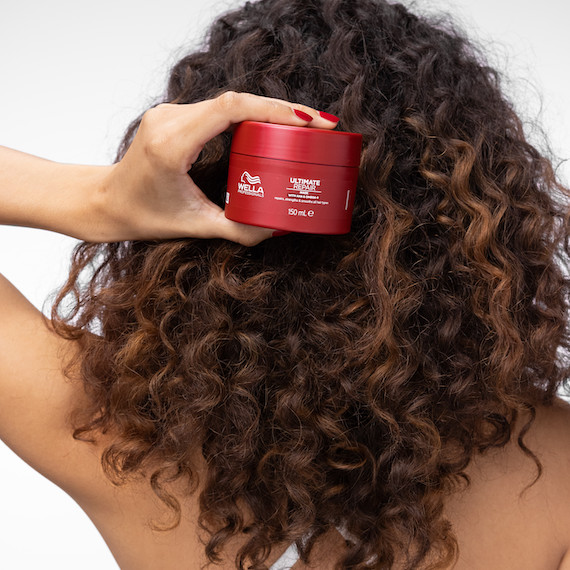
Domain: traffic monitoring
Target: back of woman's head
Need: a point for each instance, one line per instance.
(337, 379)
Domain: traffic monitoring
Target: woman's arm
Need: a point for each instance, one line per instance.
(147, 195)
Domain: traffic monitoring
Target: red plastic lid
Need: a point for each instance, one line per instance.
(297, 144)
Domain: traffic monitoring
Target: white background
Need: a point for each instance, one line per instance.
(72, 76)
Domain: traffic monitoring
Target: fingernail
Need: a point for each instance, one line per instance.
(329, 117)
(278, 233)
(304, 116)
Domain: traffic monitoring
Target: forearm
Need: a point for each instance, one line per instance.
(48, 195)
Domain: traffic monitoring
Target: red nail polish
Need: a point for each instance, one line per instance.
(304, 116)
(329, 117)
(278, 233)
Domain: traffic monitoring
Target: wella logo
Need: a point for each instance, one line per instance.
(250, 185)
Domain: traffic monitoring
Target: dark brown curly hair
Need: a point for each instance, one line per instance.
(337, 380)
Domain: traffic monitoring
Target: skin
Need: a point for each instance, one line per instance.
(148, 195)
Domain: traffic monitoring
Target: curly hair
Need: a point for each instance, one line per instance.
(337, 380)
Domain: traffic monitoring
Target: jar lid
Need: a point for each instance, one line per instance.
(297, 144)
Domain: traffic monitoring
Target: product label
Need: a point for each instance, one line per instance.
(303, 191)
(305, 186)
(250, 185)
(293, 196)
(302, 213)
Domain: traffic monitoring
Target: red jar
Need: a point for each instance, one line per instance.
(298, 179)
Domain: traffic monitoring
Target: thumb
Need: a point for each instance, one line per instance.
(240, 233)
(208, 221)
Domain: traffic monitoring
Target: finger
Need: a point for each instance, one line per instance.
(217, 115)
(320, 119)
(214, 224)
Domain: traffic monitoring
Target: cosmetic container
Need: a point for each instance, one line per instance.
(296, 179)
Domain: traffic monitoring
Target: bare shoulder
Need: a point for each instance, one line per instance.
(550, 435)
(555, 415)
(547, 437)
(550, 440)
(36, 397)
(507, 518)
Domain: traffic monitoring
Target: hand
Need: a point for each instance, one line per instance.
(149, 194)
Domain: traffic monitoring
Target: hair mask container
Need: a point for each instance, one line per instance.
(297, 179)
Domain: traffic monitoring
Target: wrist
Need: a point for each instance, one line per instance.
(96, 218)
(79, 203)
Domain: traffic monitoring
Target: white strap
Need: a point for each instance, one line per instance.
(287, 559)
(291, 555)
(350, 537)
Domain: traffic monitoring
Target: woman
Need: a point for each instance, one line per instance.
(210, 393)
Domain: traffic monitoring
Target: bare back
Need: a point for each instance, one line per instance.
(496, 525)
